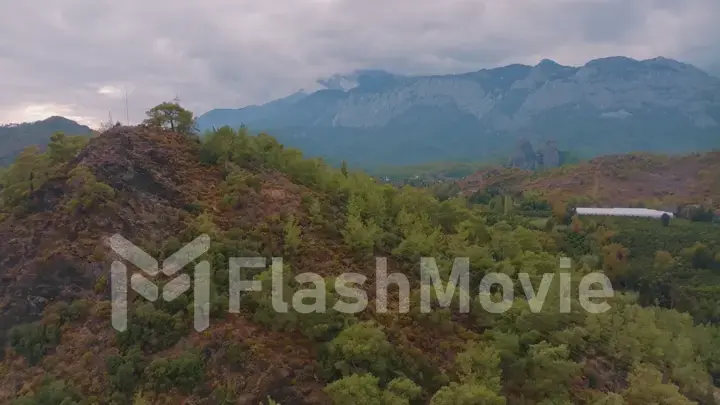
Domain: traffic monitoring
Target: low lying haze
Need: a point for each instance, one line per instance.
(76, 58)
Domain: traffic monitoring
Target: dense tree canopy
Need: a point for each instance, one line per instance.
(171, 116)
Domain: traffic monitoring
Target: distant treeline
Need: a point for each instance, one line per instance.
(434, 170)
(450, 170)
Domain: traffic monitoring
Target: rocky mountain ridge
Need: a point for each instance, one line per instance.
(609, 105)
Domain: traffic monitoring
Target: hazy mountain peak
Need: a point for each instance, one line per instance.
(662, 63)
(548, 63)
(613, 60)
(339, 82)
(58, 119)
(360, 77)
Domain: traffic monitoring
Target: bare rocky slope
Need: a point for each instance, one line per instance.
(51, 255)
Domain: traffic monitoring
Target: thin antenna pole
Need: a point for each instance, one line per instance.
(127, 110)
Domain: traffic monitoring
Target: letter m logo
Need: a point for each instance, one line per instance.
(149, 265)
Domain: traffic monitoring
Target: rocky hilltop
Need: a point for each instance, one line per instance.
(147, 186)
(610, 105)
(47, 247)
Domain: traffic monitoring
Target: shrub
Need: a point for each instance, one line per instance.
(77, 310)
(33, 340)
(236, 355)
(89, 192)
(184, 373)
(52, 393)
(125, 371)
(152, 329)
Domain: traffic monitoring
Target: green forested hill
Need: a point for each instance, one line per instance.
(658, 343)
(16, 137)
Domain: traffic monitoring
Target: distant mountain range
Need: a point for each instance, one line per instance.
(714, 70)
(16, 137)
(609, 105)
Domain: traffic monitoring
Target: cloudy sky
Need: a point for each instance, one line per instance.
(77, 58)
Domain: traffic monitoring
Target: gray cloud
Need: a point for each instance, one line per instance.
(56, 55)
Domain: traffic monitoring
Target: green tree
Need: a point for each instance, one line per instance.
(63, 148)
(359, 236)
(89, 192)
(646, 387)
(466, 394)
(361, 348)
(34, 340)
(549, 371)
(183, 372)
(664, 261)
(480, 363)
(665, 219)
(26, 175)
(53, 392)
(292, 234)
(609, 399)
(363, 389)
(170, 115)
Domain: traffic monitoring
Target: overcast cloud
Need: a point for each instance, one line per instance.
(77, 57)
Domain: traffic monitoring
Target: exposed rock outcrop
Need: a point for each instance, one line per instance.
(524, 156)
(549, 155)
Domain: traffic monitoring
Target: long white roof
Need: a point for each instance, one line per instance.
(623, 212)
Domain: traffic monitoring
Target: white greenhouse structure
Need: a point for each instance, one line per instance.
(623, 212)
